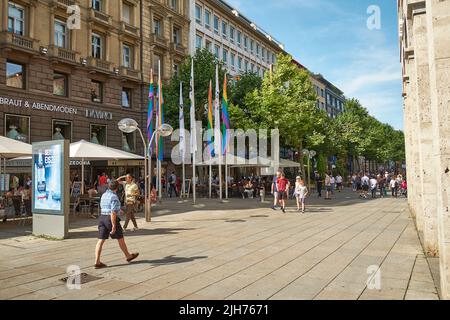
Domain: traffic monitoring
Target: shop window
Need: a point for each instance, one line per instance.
(17, 128)
(99, 134)
(126, 98)
(129, 142)
(15, 75)
(60, 84)
(62, 130)
(96, 91)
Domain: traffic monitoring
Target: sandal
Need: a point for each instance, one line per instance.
(100, 266)
(133, 256)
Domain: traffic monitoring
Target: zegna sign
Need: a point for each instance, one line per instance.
(89, 113)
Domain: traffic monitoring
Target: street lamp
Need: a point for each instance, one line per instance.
(311, 154)
(129, 126)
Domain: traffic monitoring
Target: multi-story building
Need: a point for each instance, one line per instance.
(235, 40)
(425, 57)
(320, 89)
(74, 72)
(334, 97)
(165, 36)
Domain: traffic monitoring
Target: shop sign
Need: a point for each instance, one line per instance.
(97, 114)
(126, 163)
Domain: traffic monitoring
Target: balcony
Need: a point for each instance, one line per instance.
(64, 3)
(129, 30)
(178, 48)
(129, 73)
(158, 41)
(19, 42)
(99, 64)
(100, 17)
(63, 54)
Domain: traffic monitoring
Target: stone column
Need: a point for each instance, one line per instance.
(31, 24)
(438, 23)
(4, 15)
(427, 180)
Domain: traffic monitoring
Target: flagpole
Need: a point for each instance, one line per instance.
(193, 133)
(182, 143)
(217, 135)
(158, 125)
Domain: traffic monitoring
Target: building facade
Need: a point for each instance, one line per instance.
(333, 96)
(425, 58)
(235, 40)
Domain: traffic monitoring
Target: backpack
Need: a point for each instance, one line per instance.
(365, 182)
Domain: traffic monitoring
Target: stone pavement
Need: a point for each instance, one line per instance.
(236, 250)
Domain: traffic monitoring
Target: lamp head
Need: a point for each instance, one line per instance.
(165, 130)
(128, 125)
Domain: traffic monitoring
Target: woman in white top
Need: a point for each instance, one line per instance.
(301, 192)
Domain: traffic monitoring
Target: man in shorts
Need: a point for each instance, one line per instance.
(283, 188)
(109, 225)
(275, 189)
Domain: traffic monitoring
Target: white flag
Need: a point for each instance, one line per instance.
(192, 112)
(181, 116)
(217, 135)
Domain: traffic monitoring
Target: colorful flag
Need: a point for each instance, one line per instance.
(225, 118)
(161, 121)
(181, 118)
(151, 106)
(210, 121)
(217, 140)
(192, 112)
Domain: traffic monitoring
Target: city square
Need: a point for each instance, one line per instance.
(224, 150)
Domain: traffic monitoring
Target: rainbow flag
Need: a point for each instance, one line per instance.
(225, 118)
(210, 122)
(151, 110)
(161, 121)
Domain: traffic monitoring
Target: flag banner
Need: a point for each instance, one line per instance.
(217, 135)
(161, 121)
(210, 122)
(225, 118)
(181, 118)
(151, 110)
(192, 112)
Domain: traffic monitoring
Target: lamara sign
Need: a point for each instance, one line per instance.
(89, 113)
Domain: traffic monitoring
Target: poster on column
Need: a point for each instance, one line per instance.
(48, 173)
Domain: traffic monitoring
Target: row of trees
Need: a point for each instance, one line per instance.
(286, 99)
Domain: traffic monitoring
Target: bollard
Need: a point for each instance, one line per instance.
(262, 194)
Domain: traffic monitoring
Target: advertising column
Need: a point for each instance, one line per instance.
(50, 200)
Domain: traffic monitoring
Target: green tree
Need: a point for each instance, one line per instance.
(204, 72)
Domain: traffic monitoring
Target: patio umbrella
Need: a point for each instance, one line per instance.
(83, 150)
(9, 149)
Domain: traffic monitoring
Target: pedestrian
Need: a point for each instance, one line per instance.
(354, 182)
(333, 184)
(26, 199)
(275, 189)
(109, 225)
(283, 186)
(373, 187)
(339, 182)
(394, 187)
(382, 186)
(172, 184)
(301, 192)
(404, 188)
(328, 186)
(319, 184)
(131, 203)
(365, 183)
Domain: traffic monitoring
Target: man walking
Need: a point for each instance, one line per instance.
(328, 187)
(131, 194)
(275, 189)
(319, 184)
(172, 185)
(109, 225)
(365, 181)
(283, 186)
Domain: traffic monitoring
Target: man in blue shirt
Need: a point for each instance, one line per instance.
(109, 224)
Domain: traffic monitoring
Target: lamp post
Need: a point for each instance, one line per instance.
(130, 126)
(311, 154)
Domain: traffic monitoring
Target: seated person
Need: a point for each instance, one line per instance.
(248, 188)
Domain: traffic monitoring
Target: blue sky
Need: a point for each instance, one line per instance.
(331, 37)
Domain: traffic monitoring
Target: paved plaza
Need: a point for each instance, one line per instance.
(236, 250)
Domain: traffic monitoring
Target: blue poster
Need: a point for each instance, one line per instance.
(48, 168)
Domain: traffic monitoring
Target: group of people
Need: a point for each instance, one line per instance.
(332, 184)
(379, 184)
(281, 188)
(18, 198)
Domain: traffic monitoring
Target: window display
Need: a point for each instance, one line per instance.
(129, 142)
(17, 128)
(99, 134)
(62, 130)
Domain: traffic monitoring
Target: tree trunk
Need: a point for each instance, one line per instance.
(302, 166)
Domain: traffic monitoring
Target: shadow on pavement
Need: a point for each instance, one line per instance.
(141, 232)
(169, 260)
